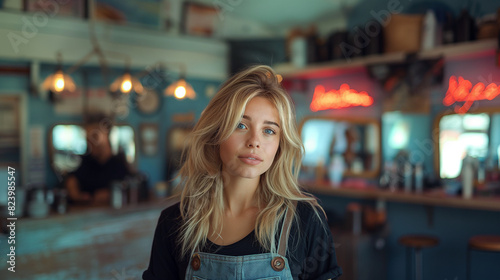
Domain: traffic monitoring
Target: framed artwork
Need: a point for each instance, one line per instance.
(144, 13)
(148, 133)
(199, 19)
(69, 8)
(10, 131)
(14, 5)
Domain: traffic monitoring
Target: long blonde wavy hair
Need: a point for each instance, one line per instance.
(202, 200)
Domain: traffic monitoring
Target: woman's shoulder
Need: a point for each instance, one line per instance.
(310, 217)
(171, 213)
(306, 210)
(172, 208)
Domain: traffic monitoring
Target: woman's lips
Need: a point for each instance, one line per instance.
(250, 159)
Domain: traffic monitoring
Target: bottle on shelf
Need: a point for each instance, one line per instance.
(336, 170)
(465, 27)
(429, 31)
(419, 177)
(448, 29)
(467, 176)
(408, 172)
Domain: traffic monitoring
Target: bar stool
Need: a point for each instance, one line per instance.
(486, 243)
(416, 243)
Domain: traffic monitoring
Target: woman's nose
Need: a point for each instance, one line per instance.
(253, 140)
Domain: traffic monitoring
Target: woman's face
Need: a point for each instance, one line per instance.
(250, 150)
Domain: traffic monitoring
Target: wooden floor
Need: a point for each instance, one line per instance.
(96, 244)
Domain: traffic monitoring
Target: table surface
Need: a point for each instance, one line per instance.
(85, 243)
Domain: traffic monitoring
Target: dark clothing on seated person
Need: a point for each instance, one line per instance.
(92, 175)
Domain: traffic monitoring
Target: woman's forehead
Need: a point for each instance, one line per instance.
(262, 108)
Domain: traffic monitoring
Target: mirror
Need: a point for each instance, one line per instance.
(476, 134)
(68, 142)
(348, 144)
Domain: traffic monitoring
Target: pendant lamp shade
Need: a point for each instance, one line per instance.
(126, 83)
(180, 90)
(58, 82)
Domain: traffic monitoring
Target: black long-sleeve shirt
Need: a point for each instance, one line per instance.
(311, 252)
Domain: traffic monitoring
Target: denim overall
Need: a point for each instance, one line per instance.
(267, 266)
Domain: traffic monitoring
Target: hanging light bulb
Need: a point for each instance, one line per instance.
(180, 92)
(126, 86)
(126, 83)
(180, 89)
(58, 82)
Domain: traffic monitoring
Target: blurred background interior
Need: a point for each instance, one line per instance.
(397, 104)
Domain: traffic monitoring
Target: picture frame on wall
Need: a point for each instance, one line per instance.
(148, 133)
(140, 13)
(67, 8)
(199, 19)
(11, 5)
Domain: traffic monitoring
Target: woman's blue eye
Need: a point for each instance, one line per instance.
(241, 126)
(269, 131)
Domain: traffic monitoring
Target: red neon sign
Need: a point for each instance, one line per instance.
(336, 99)
(462, 91)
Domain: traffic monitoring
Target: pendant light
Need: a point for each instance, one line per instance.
(126, 83)
(181, 89)
(59, 81)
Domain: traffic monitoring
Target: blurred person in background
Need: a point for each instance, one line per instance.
(90, 183)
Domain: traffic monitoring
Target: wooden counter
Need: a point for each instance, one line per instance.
(85, 243)
(432, 198)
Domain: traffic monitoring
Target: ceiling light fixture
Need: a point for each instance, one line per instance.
(59, 81)
(181, 89)
(126, 83)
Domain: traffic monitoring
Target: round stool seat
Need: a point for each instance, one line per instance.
(418, 241)
(485, 242)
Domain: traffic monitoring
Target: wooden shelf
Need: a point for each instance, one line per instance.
(203, 57)
(328, 69)
(434, 198)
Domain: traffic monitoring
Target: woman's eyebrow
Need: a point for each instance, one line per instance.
(266, 122)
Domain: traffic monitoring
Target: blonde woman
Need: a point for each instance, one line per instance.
(242, 214)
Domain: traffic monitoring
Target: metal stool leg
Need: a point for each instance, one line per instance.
(468, 264)
(418, 264)
(408, 264)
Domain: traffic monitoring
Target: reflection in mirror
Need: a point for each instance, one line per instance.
(176, 140)
(348, 147)
(472, 134)
(122, 139)
(69, 143)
